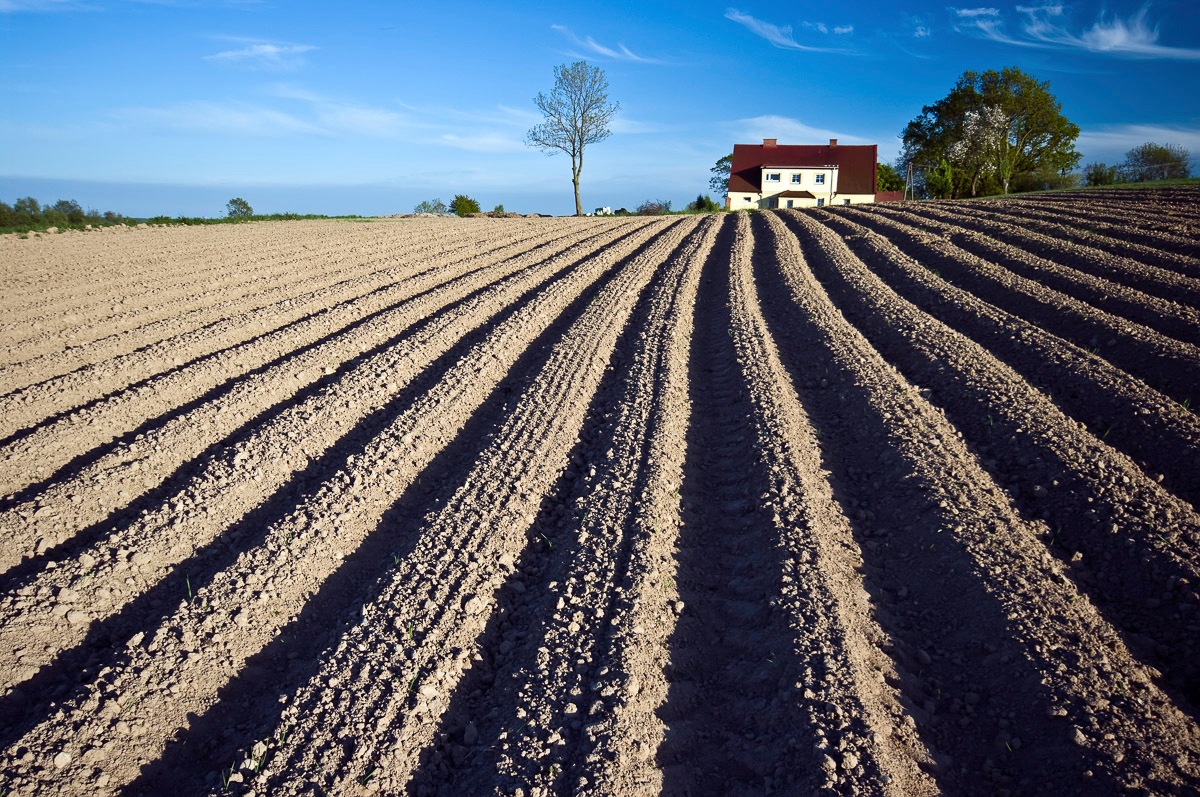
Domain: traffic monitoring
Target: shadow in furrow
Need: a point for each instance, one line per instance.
(19, 574)
(1054, 367)
(1082, 257)
(1081, 514)
(978, 704)
(64, 678)
(963, 231)
(79, 463)
(1161, 362)
(250, 701)
(481, 723)
(733, 720)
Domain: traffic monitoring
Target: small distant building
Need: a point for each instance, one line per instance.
(773, 175)
(603, 212)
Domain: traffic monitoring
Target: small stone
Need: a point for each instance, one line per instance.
(1078, 737)
(241, 619)
(924, 658)
(76, 617)
(140, 559)
(62, 759)
(849, 762)
(470, 734)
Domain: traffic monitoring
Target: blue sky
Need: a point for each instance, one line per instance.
(174, 106)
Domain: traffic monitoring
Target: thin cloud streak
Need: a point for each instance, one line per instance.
(264, 55)
(778, 36)
(621, 53)
(1044, 27)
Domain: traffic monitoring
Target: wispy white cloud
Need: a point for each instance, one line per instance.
(591, 47)
(257, 54)
(842, 30)
(778, 35)
(787, 130)
(1046, 26)
(1111, 142)
(922, 32)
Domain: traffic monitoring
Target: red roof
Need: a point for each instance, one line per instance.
(855, 162)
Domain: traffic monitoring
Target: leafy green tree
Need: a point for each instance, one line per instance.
(577, 113)
(939, 181)
(28, 211)
(1099, 174)
(498, 209)
(703, 204)
(719, 181)
(1152, 161)
(8, 216)
(238, 208)
(462, 204)
(990, 128)
(435, 206)
(888, 179)
(70, 210)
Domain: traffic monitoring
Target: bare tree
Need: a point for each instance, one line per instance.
(577, 113)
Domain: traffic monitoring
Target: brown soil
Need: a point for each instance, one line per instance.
(879, 500)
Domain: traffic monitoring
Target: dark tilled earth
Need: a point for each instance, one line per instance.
(891, 499)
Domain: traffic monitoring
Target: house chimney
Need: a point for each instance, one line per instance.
(769, 142)
(833, 142)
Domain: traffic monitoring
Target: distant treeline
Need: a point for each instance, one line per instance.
(28, 214)
(239, 219)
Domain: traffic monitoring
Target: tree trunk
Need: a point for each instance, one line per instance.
(576, 168)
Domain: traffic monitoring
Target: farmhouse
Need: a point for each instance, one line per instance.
(771, 175)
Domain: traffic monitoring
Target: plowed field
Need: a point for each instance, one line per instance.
(891, 500)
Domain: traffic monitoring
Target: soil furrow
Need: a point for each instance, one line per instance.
(1074, 251)
(1148, 253)
(841, 502)
(232, 472)
(1004, 669)
(538, 702)
(464, 542)
(1170, 307)
(1153, 430)
(1092, 228)
(283, 358)
(860, 745)
(1126, 542)
(115, 360)
(119, 302)
(1167, 365)
(351, 486)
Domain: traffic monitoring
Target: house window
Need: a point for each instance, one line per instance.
(773, 177)
(820, 179)
(748, 198)
(796, 178)
(789, 203)
(845, 201)
(820, 203)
